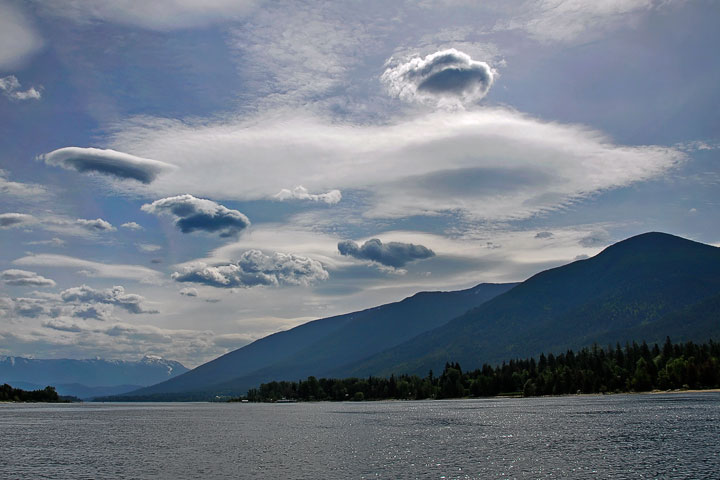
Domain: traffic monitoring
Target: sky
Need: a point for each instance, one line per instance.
(180, 178)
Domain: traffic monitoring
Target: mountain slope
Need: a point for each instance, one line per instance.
(312, 348)
(633, 290)
(82, 376)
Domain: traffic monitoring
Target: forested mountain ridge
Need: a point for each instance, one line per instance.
(646, 287)
(320, 345)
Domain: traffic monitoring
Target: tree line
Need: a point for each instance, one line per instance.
(10, 394)
(634, 368)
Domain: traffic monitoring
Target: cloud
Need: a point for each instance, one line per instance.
(92, 269)
(161, 15)
(18, 39)
(391, 254)
(132, 226)
(107, 162)
(256, 268)
(198, 214)
(148, 247)
(116, 296)
(189, 292)
(597, 238)
(8, 220)
(539, 166)
(53, 242)
(97, 225)
(17, 189)
(10, 87)
(447, 74)
(564, 21)
(543, 235)
(25, 278)
(301, 193)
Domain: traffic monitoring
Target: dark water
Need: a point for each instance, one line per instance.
(619, 436)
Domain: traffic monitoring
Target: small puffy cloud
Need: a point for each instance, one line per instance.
(391, 254)
(132, 226)
(194, 214)
(97, 225)
(25, 278)
(148, 247)
(256, 268)
(116, 295)
(189, 292)
(543, 235)
(107, 162)
(447, 74)
(10, 87)
(8, 220)
(301, 193)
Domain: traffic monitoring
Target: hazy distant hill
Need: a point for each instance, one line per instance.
(87, 378)
(315, 347)
(645, 288)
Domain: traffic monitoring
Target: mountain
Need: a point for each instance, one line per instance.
(644, 288)
(315, 347)
(87, 378)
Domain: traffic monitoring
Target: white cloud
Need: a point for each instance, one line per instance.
(568, 20)
(21, 190)
(18, 39)
(106, 162)
(255, 268)
(496, 163)
(25, 278)
(116, 296)
(97, 225)
(148, 247)
(132, 226)
(9, 220)
(447, 75)
(92, 269)
(301, 193)
(198, 214)
(53, 242)
(163, 15)
(10, 87)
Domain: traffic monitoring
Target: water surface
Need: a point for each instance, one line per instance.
(617, 436)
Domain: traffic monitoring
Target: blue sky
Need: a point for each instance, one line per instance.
(180, 178)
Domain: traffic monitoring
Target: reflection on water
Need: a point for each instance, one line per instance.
(618, 436)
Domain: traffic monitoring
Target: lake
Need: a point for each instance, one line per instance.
(614, 436)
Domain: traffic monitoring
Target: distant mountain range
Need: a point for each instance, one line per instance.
(320, 346)
(644, 288)
(87, 378)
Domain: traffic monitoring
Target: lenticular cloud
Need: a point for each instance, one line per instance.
(107, 162)
(447, 74)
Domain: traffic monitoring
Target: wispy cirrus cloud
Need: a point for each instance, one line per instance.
(18, 37)
(106, 162)
(91, 268)
(198, 214)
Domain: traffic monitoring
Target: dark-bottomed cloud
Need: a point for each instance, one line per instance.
(107, 162)
(8, 220)
(25, 278)
(255, 268)
(198, 214)
(116, 295)
(441, 75)
(391, 254)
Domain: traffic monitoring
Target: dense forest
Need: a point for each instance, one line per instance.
(634, 368)
(10, 394)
